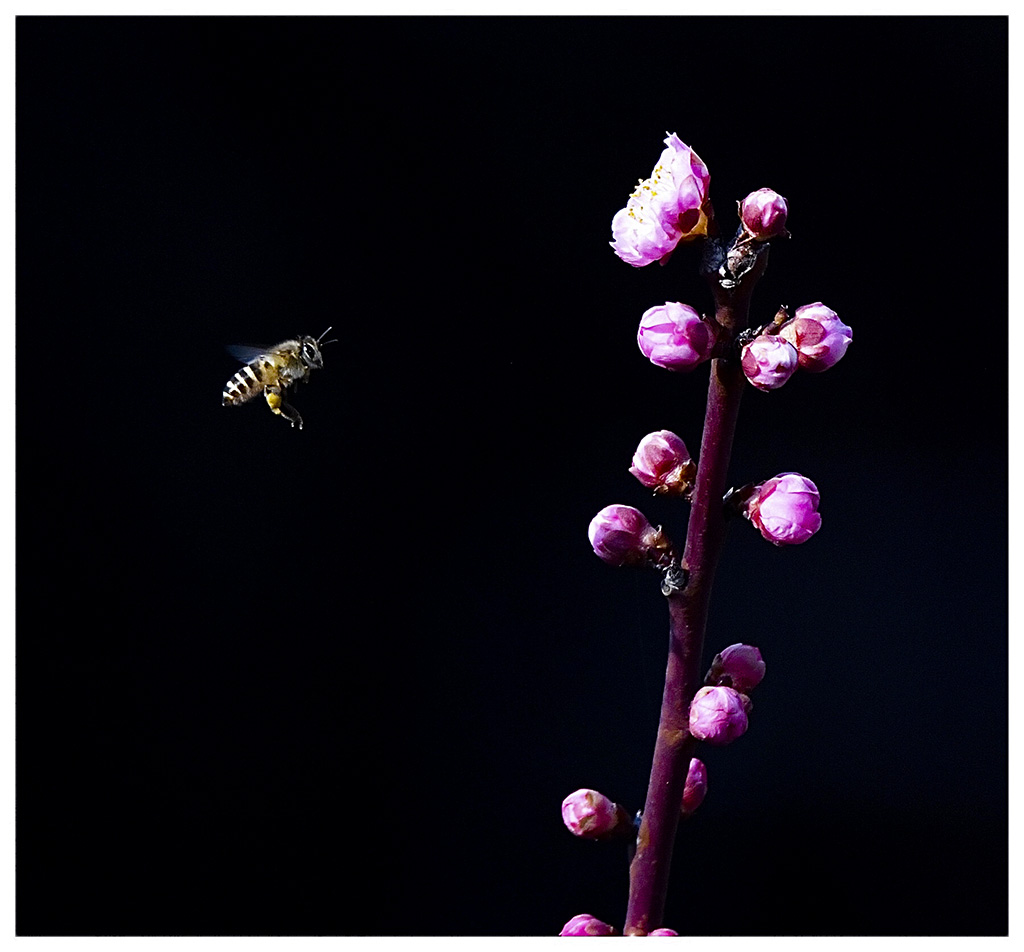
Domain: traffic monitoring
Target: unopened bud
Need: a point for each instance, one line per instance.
(673, 336)
(621, 535)
(718, 715)
(663, 932)
(768, 361)
(662, 463)
(819, 336)
(785, 509)
(763, 214)
(696, 786)
(586, 925)
(592, 816)
(739, 666)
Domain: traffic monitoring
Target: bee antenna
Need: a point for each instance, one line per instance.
(323, 335)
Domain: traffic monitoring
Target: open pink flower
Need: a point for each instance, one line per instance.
(665, 209)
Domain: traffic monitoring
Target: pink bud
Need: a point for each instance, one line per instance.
(665, 209)
(763, 214)
(662, 463)
(785, 509)
(818, 335)
(586, 925)
(621, 535)
(673, 336)
(696, 786)
(663, 932)
(718, 715)
(743, 665)
(768, 362)
(589, 814)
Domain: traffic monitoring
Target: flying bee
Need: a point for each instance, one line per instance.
(271, 371)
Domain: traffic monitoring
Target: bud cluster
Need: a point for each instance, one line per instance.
(622, 535)
(719, 711)
(814, 340)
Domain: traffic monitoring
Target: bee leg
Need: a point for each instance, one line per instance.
(278, 406)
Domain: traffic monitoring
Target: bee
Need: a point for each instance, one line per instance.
(273, 370)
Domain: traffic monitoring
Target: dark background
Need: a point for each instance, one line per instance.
(254, 662)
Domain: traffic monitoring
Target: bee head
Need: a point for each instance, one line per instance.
(311, 355)
(311, 349)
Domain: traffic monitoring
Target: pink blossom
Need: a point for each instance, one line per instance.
(586, 925)
(621, 535)
(662, 463)
(673, 336)
(663, 931)
(696, 786)
(763, 214)
(785, 509)
(768, 362)
(718, 715)
(818, 335)
(743, 665)
(665, 209)
(589, 814)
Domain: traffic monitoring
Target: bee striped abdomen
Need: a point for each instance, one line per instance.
(244, 385)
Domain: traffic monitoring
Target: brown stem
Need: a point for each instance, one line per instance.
(674, 746)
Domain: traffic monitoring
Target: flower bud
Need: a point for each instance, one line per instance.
(785, 509)
(718, 715)
(768, 362)
(696, 786)
(742, 666)
(591, 815)
(818, 335)
(662, 463)
(665, 209)
(621, 535)
(763, 214)
(674, 336)
(586, 925)
(663, 932)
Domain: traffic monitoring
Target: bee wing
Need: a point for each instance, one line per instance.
(244, 353)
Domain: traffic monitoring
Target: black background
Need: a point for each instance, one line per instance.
(254, 662)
